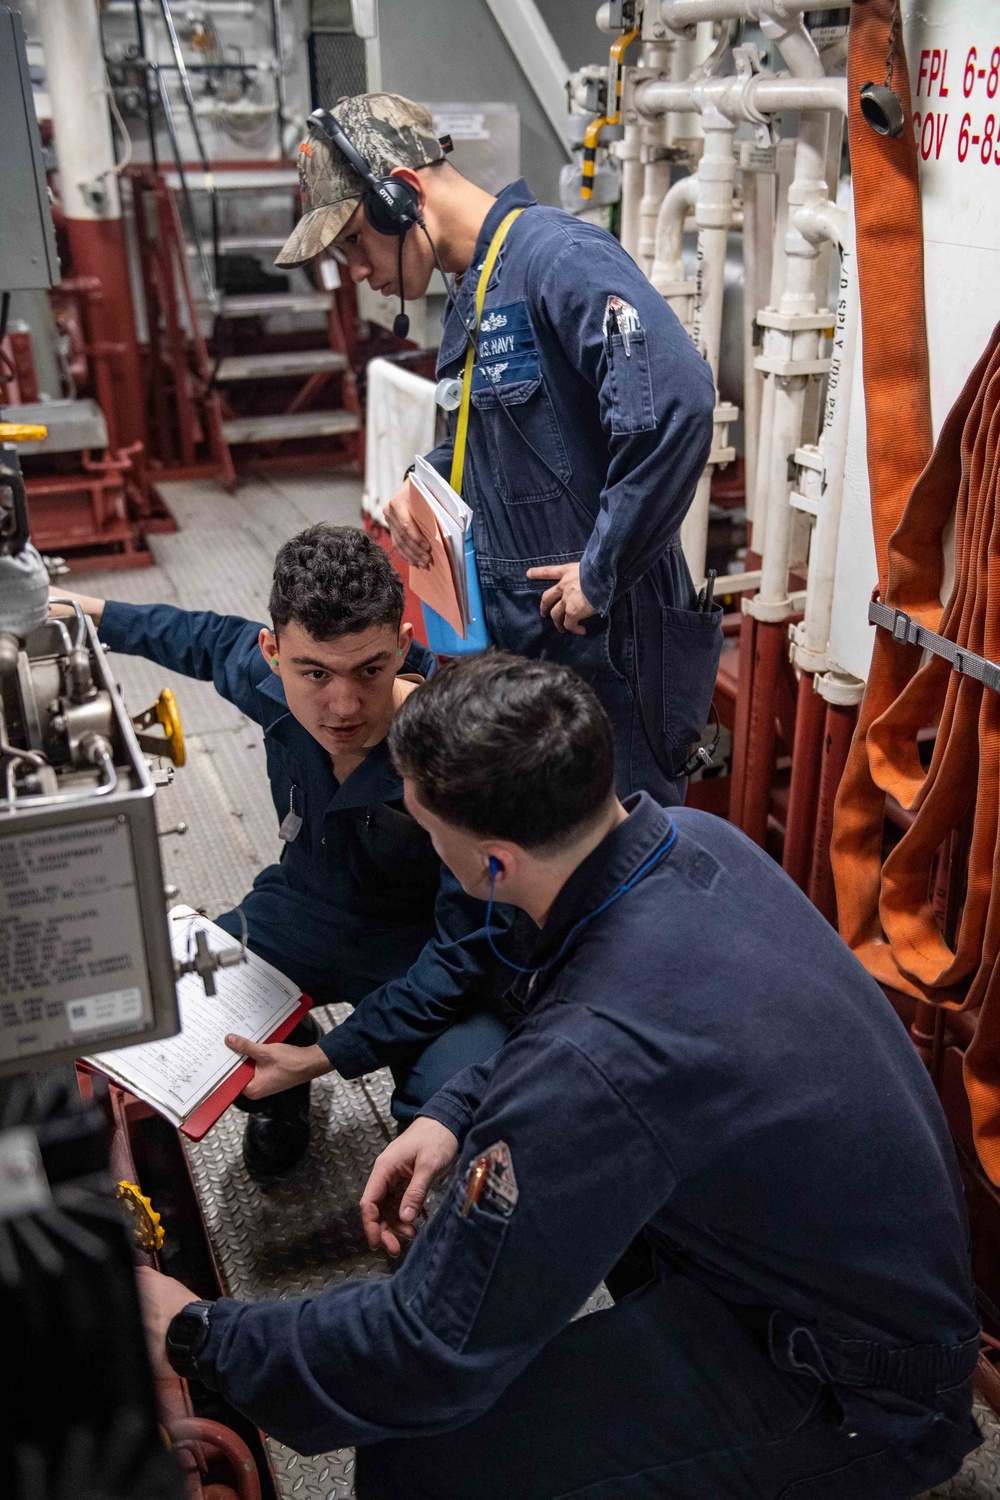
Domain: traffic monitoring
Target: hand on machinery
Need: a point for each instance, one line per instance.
(407, 538)
(278, 1065)
(393, 1200)
(565, 603)
(92, 607)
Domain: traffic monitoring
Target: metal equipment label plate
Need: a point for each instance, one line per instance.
(72, 956)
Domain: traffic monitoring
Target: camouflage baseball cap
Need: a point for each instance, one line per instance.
(389, 131)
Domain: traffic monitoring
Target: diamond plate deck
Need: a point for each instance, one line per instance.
(305, 1233)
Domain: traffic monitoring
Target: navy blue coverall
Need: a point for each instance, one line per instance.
(624, 418)
(360, 907)
(708, 1065)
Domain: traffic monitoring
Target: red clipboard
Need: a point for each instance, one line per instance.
(216, 1104)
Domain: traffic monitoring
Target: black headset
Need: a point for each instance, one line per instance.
(391, 205)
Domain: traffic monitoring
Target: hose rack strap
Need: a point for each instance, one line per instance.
(907, 632)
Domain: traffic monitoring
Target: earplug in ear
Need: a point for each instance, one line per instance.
(494, 867)
(274, 659)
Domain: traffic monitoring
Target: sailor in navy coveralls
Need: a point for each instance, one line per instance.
(701, 1071)
(590, 424)
(359, 907)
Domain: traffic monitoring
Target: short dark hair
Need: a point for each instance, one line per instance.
(334, 580)
(507, 748)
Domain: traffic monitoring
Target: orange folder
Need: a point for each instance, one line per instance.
(437, 585)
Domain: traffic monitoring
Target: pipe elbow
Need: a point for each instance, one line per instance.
(668, 260)
(820, 222)
(793, 41)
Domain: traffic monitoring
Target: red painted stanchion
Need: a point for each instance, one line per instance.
(837, 735)
(769, 653)
(807, 751)
(741, 717)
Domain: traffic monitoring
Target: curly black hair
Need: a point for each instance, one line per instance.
(333, 581)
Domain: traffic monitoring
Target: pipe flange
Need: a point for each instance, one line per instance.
(789, 322)
(841, 689)
(769, 611)
(788, 369)
(802, 656)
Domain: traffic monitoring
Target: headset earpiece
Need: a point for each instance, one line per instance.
(391, 205)
(391, 208)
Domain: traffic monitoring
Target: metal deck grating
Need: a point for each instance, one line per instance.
(306, 1233)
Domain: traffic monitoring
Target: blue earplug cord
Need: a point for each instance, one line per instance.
(623, 890)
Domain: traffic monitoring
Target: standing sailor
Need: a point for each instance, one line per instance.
(591, 419)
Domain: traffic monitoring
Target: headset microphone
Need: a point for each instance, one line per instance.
(401, 323)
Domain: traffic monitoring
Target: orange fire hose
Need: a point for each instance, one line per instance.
(885, 911)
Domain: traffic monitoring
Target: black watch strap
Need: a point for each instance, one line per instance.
(187, 1335)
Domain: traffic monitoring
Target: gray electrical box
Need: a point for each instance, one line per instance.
(28, 259)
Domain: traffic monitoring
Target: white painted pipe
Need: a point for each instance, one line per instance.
(756, 223)
(819, 222)
(74, 65)
(799, 296)
(812, 636)
(713, 210)
(668, 250)
(694, 527)
(656, 182)
(754, 99)
(772, 602)
(679, 14)
(628, 154)
(797, 48)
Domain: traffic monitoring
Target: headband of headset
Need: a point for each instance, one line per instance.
(390, 204)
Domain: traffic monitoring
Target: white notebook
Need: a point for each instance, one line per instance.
(177, 1076)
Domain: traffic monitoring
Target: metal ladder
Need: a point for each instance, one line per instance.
(228, 390)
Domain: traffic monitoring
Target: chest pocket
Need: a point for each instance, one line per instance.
(508, 373)
(397, 843)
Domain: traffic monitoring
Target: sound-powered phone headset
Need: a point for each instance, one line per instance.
(391, 207)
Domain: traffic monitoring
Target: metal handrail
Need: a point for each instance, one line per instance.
(203, 156)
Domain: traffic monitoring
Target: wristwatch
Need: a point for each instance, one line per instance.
(187, 1335)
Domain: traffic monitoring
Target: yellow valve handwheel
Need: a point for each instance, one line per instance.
(22, 432)
(164, 711)
(169, 716)
(147, 1231)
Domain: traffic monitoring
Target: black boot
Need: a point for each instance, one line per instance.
(277, 1133)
